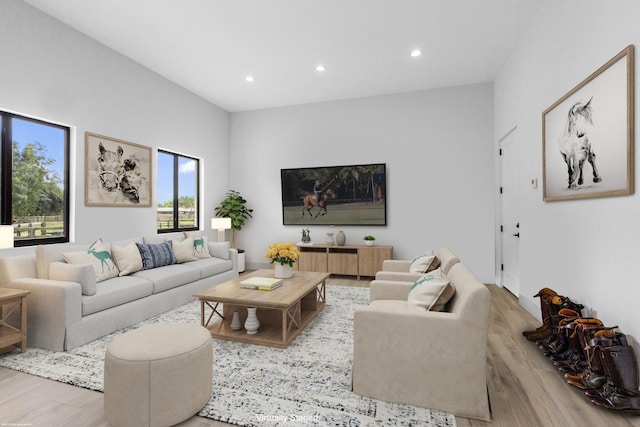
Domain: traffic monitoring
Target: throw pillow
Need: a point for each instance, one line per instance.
(127, 258)
(430, 291)
(184, 251)
(201, 247)
(79, 273)
(156, 255)
(424, 263)
(98, 257)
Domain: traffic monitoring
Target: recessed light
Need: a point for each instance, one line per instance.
(416, 52)
(321, 68)
(249, 78)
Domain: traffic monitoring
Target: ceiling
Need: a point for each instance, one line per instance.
(210, 46)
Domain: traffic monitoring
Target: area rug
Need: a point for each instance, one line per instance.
(307, 383)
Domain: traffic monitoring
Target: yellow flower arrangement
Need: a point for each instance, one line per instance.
(283, 253)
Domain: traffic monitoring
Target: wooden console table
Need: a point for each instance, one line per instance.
(352, 260)
(9, 335)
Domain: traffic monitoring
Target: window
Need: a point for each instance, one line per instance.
(34, 183)
(178, 178)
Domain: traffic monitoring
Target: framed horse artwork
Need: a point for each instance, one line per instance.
(587, 135)
(117, 173)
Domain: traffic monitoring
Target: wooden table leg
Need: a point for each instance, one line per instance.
(23, 323)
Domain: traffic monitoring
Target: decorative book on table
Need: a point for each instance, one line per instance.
(261, 283)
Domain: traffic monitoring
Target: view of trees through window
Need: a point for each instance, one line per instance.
(34, 179)
(178, 178)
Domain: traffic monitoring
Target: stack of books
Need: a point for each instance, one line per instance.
(261, 283)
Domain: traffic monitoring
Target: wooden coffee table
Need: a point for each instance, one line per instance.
(282, 312)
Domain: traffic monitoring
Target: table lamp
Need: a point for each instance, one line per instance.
(221, 224)
(6, 236)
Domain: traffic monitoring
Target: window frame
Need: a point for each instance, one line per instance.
(176, 195)
(6, 178)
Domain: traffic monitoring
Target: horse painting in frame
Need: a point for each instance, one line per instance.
(596, 117)
(117, 172)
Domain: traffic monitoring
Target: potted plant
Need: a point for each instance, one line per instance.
(306, 235)
(234, 207)
(369, 240)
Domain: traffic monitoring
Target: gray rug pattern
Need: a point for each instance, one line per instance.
(308, 383)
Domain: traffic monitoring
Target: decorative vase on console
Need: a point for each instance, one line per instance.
(236, 324)
(341, 238)
(252, 323)
(282, 271)
(329, 238)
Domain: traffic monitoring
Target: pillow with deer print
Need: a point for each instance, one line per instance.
(201, 247)
(98, 257)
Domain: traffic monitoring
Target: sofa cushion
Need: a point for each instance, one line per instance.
(46, 254)
(79, 273)
(170, 276)
(220, 249)
(431, 291)
(184, 251)
(157, 255)
(211, 266)
(98, 257)
(424, 263)
(116, 291)
(164, 237)
(127, 258)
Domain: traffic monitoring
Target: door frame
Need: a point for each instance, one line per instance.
(499, 217)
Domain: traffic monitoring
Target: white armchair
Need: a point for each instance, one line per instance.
(438, 360)
(399, 270)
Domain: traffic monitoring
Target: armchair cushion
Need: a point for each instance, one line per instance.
(431, 291)
(424, 263)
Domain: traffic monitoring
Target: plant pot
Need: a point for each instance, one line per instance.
(282, 271)
(241, 260)
(369, 242)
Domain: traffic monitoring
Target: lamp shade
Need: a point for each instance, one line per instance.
(220, 223)
(6, 236)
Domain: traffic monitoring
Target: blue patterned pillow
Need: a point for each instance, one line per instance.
(156, 255)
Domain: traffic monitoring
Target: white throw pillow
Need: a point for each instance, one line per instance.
(185, 250)
(98, 257)
(431, 291)
(127, 258)
(200, 247)
(84, 274)
(424, 263)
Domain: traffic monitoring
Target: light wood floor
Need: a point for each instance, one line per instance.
(524, 388)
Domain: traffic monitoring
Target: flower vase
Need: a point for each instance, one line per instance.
(283, 271)
(236, 324)
(252, 323)
(341, 238)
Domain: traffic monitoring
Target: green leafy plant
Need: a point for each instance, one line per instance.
(234, 207)
(369, 238)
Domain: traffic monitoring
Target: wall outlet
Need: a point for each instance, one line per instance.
(534, 182)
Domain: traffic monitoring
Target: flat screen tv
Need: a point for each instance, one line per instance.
(348, 195)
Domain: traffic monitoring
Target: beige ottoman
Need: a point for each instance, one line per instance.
(158, 375)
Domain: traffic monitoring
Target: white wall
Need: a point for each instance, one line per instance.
(53, 72)
(586, 249)
(438, 147)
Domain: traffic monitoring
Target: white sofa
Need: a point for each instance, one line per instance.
(438, 360)
(62, 315)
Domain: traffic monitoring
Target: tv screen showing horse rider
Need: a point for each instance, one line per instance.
(334, 195)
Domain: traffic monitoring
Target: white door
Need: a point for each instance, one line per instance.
(510, 221)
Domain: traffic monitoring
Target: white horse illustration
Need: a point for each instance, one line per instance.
(575, 146)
